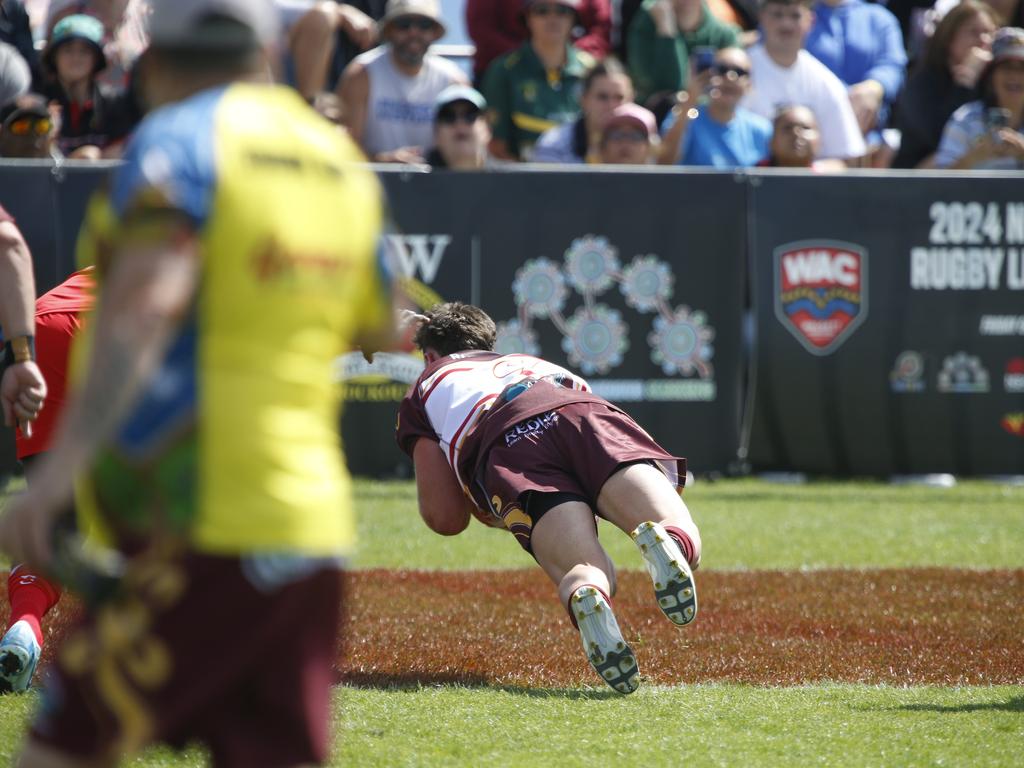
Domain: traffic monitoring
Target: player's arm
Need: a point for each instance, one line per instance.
(22, 388)
(148, 291)
(443, 506)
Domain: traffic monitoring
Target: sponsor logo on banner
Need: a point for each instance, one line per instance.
(1001, 325)
(821, 292)
(963, 374)
(572, 296)
(415, 260)
(412, 255)
(1013, 379)
(1014, 424)
(907, 374)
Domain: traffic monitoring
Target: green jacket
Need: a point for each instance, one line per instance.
(524, 100)
(659, 64)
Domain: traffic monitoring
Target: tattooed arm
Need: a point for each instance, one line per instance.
(144, 298)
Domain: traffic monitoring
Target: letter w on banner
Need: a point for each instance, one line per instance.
(821, 292)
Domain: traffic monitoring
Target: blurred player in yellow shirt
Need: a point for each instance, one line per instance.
(243, 259)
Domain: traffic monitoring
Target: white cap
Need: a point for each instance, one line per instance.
(177, 23)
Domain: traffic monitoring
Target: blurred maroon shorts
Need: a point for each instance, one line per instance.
(571, 451)
(194, 650)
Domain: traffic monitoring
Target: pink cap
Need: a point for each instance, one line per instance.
(634, 113)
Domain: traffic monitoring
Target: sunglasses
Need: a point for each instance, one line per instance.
(727, 69)
(452, 116)
(543, 9)
(421, 23)
(24, 126)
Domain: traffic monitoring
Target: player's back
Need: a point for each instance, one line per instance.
(243, 414)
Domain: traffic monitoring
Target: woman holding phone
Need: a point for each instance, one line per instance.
(986, 134)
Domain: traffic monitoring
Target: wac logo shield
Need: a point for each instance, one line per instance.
(821, 292)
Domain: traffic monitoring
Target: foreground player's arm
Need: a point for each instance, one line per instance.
(443, 506)
(22, 388)
(148, 292)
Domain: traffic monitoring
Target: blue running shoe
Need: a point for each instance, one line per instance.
(19, 657)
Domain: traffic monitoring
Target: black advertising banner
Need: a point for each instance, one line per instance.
(890, 325)
(633, 280)
(889, 309)
(432, 248)
(28, 192)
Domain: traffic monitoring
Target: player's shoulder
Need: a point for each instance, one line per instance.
(172, 148)
(180, 121)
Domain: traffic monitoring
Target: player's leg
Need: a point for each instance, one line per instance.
(564, 542)
(639, 499)
(31, 596)
(639, 493)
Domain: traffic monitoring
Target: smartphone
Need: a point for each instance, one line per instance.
(997, 118)
(703, 58)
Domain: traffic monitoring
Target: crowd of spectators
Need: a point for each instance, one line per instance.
(821, 84)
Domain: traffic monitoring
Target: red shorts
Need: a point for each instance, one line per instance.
(573, 451)
(231, 652)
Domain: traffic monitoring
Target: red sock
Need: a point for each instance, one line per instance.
(31, 596)
(568, 603)
(685, 544)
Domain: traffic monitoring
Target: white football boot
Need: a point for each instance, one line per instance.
(607, 652)
(671, 574)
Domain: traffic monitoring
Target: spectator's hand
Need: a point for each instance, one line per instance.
(1009, 143)
(664, 16)
(22, 392)
(967, 72)
(88, 152)
(360, 28)
(988, 146)
(866, 100)
(26, 525)
(405, 155)
(700, 84)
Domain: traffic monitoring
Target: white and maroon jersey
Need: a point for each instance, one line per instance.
(455, 393)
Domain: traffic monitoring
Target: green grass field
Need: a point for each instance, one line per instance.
(746, 525)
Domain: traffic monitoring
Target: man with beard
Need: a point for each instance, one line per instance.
(389, 93)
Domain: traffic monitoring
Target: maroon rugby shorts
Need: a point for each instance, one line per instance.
(572, 450)
(227, 651)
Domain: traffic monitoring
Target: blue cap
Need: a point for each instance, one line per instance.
(454, 93)
(78, 26)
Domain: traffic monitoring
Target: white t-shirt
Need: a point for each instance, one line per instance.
(812, 84)
(400, 109)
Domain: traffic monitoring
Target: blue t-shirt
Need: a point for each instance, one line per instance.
(743, 142)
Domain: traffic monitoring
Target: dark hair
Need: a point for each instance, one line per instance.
(787, 107)
(936, 53)
(805, 3)
(608, 67)
(454, 327)
(220, 44)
